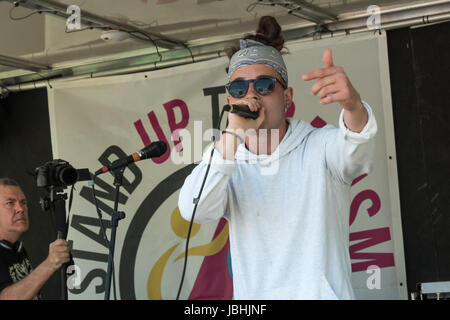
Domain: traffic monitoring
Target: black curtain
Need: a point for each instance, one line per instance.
(420, 80)
(24, 145)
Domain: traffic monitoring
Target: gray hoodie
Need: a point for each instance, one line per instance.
(288, 212)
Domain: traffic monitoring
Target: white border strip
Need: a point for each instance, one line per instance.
(394, 194)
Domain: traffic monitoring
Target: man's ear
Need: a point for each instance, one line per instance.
(288, 95)
(228, 99)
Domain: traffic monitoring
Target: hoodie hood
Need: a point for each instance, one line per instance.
(297, 131)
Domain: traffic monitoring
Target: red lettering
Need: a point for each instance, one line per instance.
(142, 133)
(146, 139)
(359, 198)
(374, 237)
(173, 125)
(318, 122)
(290, 111)
(170, 106)
(160, 134)
(359, 179)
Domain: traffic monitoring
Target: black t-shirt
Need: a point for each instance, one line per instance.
(14, 264)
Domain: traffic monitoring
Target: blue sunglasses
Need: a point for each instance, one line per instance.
(263, 85)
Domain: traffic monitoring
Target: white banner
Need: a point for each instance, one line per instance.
(95, 121)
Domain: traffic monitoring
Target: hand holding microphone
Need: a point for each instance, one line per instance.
(245, 114)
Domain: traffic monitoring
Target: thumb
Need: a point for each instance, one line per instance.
(327, 58)
(261, 116)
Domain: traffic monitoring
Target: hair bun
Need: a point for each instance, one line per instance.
(267, 33)
(271, 31)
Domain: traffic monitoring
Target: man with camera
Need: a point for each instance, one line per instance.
(18, 279)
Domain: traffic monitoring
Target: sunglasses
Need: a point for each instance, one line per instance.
(264, 85)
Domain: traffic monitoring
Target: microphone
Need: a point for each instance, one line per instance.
(241, 110)
(154, 150)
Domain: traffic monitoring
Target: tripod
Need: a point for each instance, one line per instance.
(57, 205)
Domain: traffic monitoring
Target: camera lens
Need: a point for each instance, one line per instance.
(68, 175)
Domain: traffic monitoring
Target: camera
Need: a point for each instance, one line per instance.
(56, 173)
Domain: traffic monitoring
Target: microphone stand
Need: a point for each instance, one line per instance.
(117, 168)
(116, 216)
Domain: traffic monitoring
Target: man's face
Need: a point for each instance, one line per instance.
(13, 213)
(273, 103)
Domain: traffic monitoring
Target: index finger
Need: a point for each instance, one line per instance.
(319, 73)
(252, 104)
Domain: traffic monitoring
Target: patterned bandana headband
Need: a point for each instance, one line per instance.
(253, 52)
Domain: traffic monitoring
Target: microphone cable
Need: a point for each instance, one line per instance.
(196, 201)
